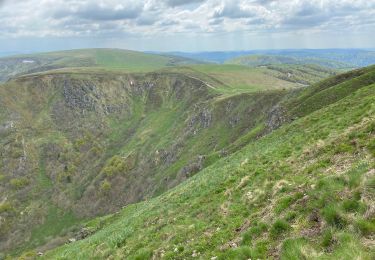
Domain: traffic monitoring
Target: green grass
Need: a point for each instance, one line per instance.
(232, 79)
(110, 59)
(250, 195)
(264, 60)
(218, 206)
(55, 222)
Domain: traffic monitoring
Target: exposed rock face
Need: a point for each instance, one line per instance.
(201, 119)
(276, 118)
(78, 95)
(193, 167)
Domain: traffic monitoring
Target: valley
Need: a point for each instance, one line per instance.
(144, 156)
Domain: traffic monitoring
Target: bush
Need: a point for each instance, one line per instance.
(117, 165)
(19, 183)
(279, 227)
(5, 207)
(105, 187)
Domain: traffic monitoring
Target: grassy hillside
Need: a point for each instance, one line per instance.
(263, 60)
(305, 191)
(231, 78)
(82, 143)
(103, 58)
(78, 143)
(304, 71)
(353, 57)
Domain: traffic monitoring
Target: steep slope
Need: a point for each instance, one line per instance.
(304, 191)
(77, 144)
(103, 58)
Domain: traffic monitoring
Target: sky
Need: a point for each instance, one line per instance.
(182, 25)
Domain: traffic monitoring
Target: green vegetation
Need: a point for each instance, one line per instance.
(205, 161)
(211, 212)
(18, 183)
(264, 60)
(111, 59)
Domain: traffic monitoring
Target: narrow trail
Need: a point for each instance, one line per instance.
(207, 84)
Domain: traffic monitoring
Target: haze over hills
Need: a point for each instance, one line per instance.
(86, 133)
(339, 58)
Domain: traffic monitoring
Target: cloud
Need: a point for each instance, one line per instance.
(195, 19)
(101, 11)
(234, 10)
(182, 2)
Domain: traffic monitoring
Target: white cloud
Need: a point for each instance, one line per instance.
(197, 18)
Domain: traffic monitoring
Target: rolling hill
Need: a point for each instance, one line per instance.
(145, 156)
(355, 58)
(100, 58)
(264, 60)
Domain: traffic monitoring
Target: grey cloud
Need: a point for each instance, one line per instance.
(93, 11)
(233, 10)
(168, 23)
(308, 15)
(83, 18)
(175, 3)
(216, 21)
(147, 20)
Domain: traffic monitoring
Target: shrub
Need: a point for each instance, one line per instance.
(117, 165)
(19, 183)
(105, 187)
(279, 227)
(5, 207)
